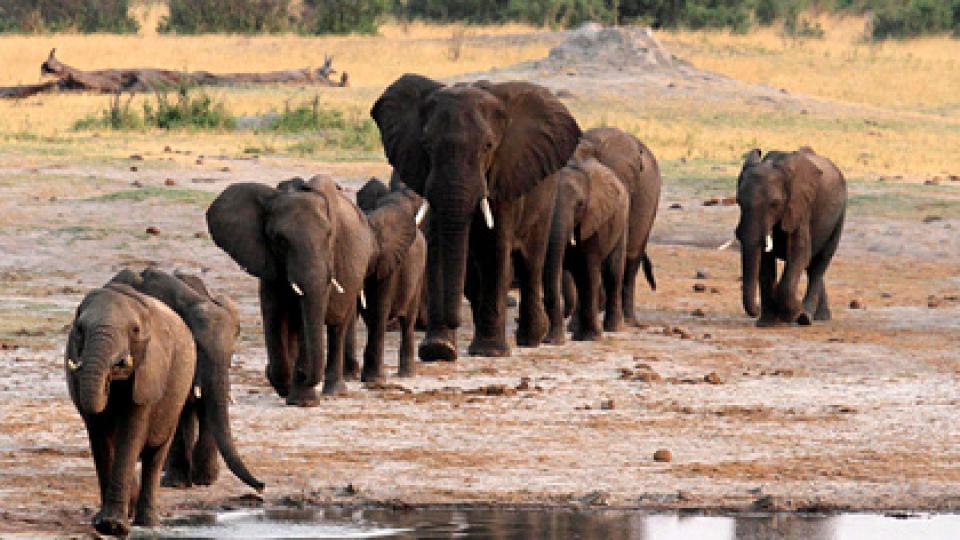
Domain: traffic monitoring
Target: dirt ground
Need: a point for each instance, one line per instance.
(858, 413)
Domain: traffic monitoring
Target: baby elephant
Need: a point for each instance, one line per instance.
(792, 206)
(401, 291)
(129, 366)
(587, 237)
(205, 421)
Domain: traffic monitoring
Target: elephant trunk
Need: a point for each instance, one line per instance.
(453, 234)
(313, 308)
(561, 234)
(452, 211)
(215, 380)
(750, 255)
(93, 376)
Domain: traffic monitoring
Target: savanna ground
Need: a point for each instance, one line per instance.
(858, 413)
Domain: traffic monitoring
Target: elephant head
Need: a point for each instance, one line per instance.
(117, 334)
(370, 194)
(215, 325)
(463, 148)
(588, 195)
(286, 236)
(775, 196)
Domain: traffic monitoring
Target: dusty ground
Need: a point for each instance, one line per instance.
(857, 413)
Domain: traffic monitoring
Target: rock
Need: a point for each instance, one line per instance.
(933, 302)
(199, 161)
(199, 234)
(714, 201)
(167, 149)
(932, 219)
(224, 169)
(524, 384)
(954, 178)
(662, 456)
(698, 313)
(728, 201)
(932, 181)
(684, 495)
(699, 287)
(856, 304)
(886, 295)
(169, 182)
(712, 378)
(136, 157)
(595, 498)
(564, 94)
(714, 290)
(607, 405)
(701, 274)
(136, 184)
(133, 168)
(676, 206)
(154, 230)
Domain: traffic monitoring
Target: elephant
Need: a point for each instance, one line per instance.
(588, 237)
(402, 290)
(637, 168)
(482, 154)
(204, 426)
(792, 207)
(313, 251)
(129, 364)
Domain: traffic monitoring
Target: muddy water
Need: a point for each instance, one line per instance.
(552, 524)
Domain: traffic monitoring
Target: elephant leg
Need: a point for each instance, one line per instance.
(533, 324)
(101, 435)
(130, 437)
(206, 454)
(612, 285)
(440, 341)
(768, 286)
(351, 368)
(379, 300)
(629, 288)
(151, 467)
(818, 267)
(333, 383)
(281, 329)
(179, 465)
(823, 306)
(587, 277)
(491, 250)
(554, 299)
(407, 352)
(798, 259)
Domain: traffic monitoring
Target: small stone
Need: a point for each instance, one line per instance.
(136, 157)
(932, 181)
(954, 178)
(224, 169)
(607, 405)
(662, 456)
(133, 168)
(167, 149)
(524, 384)
(701, 274)
(886, 295)
(169, 182)
(684, 495)
(933, 302)
(676, 206)
(856, 304)
(728, 201)
(154, 230)
(199, 234)
(136, 184)
(699, 287)
(199, 161)
(932, 219)
(714, 201)
(712, 378)
(714, 290)
(698, 313)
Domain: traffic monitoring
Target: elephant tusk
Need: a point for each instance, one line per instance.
(487, 213)
(769, 245)
(196, 391)
(363, 300)
(73, 364)
(422, 212)
(573, 239)
(336, 285)
(231, 400)
(296, 288)
(726, 244)
(128, 361)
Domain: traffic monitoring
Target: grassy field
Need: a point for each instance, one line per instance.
(899, 98)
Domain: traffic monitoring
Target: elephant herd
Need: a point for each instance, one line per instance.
(494, 185)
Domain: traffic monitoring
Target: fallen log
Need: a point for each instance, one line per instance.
(113, 81)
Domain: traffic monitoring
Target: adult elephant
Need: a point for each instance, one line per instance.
(313, 250)
(480, 154)
(792, 207)
(637, 168)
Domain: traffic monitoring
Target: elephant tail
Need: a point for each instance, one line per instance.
(648, 271)
(217, 408)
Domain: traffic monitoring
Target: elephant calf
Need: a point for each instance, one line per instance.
(129, 366)
(792, 207)
(400, 290)
(587, 237)
(204, 426)
(314, 251)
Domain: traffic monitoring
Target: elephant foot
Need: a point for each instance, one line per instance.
(111, 525)
(488, 347)
(614, 324)
(768, 322)
(282, 389)
(352, 373)
(588, 335)
(822, 315)
(804, 320)
(555, 337)
(147, 518)
(301, 396)
(334, 388)
(434, 349)
(205, 476)
(531, 333)
(373, 376)
(175, 478)
(406, 372)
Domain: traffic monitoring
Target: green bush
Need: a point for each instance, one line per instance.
(198, 111)
(331, 128)
(342, 16)
(230, 16)
(67, 15)
(915, 17)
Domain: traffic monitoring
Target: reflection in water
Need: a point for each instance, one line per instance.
(549, 524)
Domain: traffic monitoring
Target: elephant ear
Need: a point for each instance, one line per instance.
(127, 277)
(330, 192)
(236, 222)
(395, 229)
(802, 176)
(751, 159)
(539, 137)
(370, 194)
(399, 115)
(605, 196)
(194, 283)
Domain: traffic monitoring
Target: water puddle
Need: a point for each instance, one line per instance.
(551, 524)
